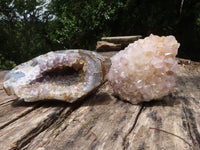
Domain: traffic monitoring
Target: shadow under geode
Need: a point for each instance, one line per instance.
(44, 103)
(90, 100)
(102, 98)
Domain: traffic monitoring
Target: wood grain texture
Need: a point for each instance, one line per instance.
(121, 39)
(103, 46)
(115, 43)
(102, 121)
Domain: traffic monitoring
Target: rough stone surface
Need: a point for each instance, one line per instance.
(145, 69)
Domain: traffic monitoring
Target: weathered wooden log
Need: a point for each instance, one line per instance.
(103, 46)
(102, 121)
(115, 43)
(121, 39)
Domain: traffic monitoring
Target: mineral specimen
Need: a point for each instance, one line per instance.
(63, 75)
(145, 70)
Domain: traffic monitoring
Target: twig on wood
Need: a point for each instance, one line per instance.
(171, 134)
(87, 129)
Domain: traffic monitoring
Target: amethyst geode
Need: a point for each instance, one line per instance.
(65, 75)
(145, 69)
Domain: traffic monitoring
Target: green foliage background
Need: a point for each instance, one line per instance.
(25, 32)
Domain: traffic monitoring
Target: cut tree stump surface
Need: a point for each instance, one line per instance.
(103, 122)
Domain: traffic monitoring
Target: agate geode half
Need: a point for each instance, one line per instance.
(65, 75)
(145, 69)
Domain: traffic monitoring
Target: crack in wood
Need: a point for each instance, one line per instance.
(132, 128)
(7, 102)
(22, 143)
(189, 126)
(74, 107)
(53, 120)
(18, 117)
(61, 119)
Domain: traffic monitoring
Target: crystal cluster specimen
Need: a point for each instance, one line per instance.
(65, 75)
(145, 70)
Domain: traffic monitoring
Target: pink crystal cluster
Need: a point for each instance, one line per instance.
(145, 69)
